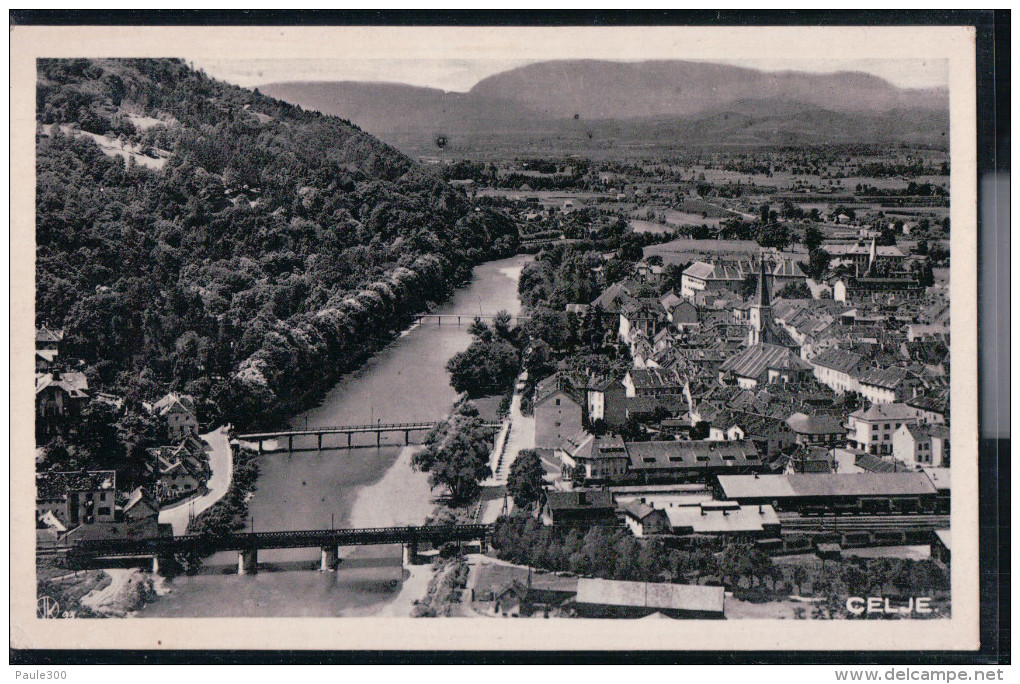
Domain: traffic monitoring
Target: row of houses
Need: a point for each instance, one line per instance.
(82, 505)
(88, 504)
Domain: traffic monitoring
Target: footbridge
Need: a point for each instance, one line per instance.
(248, 544)
(378, 429)
(463, 318)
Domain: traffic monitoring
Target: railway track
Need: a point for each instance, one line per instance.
(869, 523)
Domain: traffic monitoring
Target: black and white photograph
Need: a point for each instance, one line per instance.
(549, 337)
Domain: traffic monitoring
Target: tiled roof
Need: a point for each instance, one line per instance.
(72, 382)
(52, 485)
(738, 269)
(580, 499)
(877, 412)
(706, 520)
(636, 509)
(671, 403)
(171, 400)
(691, 455)
(655, 378)
(840, 360)
(753, 361)
(816, 424)
(685, 312)
(44, 334)
(690, 597)
(613, 296)
(670, 300)
(560, 381)
(887, 378)
(875, 464)
(821, 485)
(936, 403)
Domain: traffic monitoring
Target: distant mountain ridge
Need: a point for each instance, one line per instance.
(640, 102)
(615, 90)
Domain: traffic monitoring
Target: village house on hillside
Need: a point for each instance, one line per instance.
(47, 348)
(59, 399)
(178, 413)
(178, 471)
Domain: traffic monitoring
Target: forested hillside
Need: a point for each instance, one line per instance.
(197, 236)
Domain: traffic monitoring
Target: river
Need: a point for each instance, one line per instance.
(406, 381)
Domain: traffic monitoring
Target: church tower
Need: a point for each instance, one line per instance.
(872, 258)
(760, 314)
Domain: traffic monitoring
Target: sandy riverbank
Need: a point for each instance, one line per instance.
(402, 497)
(126, 593)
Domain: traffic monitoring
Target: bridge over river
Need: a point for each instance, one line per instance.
(247, 544)
(464, 318)
(378, 429)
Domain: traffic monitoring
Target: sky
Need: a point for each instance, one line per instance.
(461, 74)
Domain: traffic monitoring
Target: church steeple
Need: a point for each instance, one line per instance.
(762, 296)
(760, 314)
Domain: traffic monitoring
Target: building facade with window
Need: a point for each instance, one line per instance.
(871, 430)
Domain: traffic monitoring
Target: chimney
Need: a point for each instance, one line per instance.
(56, 374)
(761, 510)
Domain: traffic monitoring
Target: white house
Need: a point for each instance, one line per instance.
(839, 369)
(921, 445)
(872, 429)
(887, 385)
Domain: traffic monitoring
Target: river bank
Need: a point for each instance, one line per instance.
(402, 497)
(367, 485)
(128, 590)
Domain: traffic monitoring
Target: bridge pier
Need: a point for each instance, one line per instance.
(378, 438)
(261, 448)
(407, 437)
(330, 556)
(348, 440)
(248, 562)
(290, 442)
(411, 552)
(320, 441)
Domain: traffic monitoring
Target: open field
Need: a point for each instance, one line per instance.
(684, 250)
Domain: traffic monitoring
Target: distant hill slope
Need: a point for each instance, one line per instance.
(396, 107)
(246, 251)
(645, 102)
(618, 90)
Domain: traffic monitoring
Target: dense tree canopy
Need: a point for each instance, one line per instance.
(491, 363)
(456, 454)
(244, 242)
(525, 479)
